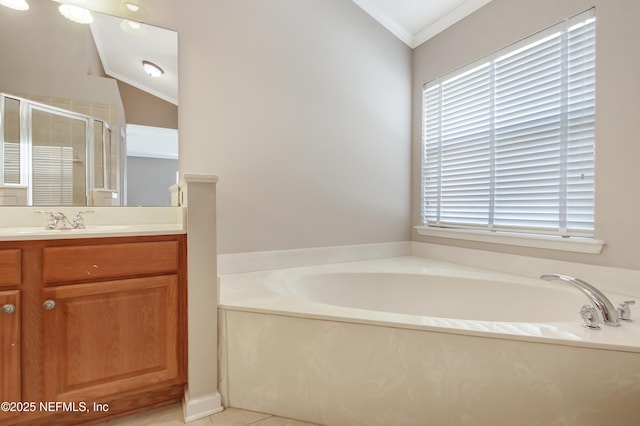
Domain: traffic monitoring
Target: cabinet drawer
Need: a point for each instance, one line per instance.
(91, 262)
(10, 261)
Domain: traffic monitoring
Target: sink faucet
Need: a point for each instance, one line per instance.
(58, 220)
(78, 220)
(600, 301)
(55, 219)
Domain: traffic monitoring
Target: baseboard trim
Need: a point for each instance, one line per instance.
(203, 406)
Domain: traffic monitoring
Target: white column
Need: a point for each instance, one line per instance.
(198, 193)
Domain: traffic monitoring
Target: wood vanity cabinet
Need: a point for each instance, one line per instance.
(10, 346)
(10, 278)
(103, 328)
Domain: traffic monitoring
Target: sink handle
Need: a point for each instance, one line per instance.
(624, 309)
(55, 218)
(78, 220)
(590, 318)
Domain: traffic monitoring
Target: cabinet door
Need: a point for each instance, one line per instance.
(10, 345)
(10, 267)
(110, 337)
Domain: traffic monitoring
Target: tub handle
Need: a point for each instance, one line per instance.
(589, 316)
(624, 309)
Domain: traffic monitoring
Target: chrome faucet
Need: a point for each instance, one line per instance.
(56, 219)
(78, 220)
(604, 306)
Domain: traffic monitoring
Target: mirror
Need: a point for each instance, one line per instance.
(81, 121)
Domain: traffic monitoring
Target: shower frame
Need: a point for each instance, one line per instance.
(26, 108)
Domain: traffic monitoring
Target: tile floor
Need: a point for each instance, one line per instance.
(172, 416)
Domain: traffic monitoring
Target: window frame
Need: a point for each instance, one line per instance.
(581, 242)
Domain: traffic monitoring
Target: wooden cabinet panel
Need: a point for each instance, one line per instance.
(109, 337)
(10, 267)
(10, 385)
(117, 332)
(93, 262)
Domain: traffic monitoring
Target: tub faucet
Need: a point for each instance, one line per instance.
(600, 301)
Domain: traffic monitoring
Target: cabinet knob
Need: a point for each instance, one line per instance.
(49, 304)
(8, 308)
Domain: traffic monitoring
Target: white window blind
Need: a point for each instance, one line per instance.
(508, 142)
(52, 176)
(11, 163)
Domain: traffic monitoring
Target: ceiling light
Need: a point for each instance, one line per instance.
(15, 4)
(133, 25)
(152, 69)
(133, 28)
(132, 7)
(76, 14)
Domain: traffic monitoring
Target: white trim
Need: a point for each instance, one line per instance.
(550, 242)
(459, 13)
(200, 178)
(234, 263)
(414, 40)
(384, 19)
(622, 281)
(152, 142)
(198, 408)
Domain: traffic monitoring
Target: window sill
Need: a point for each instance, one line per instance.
(550, 242)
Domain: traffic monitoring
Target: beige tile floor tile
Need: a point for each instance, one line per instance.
(281, 421)
(172, 416)
(237, 417)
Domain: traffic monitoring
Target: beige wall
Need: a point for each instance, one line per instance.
(50, 61)
(303, 109)
(502, 22)
(145, 109)
(49, 57)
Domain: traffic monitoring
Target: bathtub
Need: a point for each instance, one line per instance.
(419, 341)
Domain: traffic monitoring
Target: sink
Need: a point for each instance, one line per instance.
(28, 223)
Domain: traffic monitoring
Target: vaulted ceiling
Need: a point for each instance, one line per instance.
(122, 49)
(415, 21)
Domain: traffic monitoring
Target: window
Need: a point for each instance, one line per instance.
(508, 141)
(52, 176)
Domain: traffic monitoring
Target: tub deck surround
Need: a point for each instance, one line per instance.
(25, 223)
(345, 373)
(429, 295)
(488, 349)
(233, 263)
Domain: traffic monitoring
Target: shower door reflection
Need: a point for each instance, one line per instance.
(58, 158)
(52, 156)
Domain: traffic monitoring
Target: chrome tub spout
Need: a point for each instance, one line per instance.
(607, 311)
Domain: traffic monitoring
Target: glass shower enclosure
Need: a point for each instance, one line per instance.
(52, 156)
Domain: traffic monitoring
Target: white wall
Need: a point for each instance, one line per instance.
(502, 22)
(303, 108)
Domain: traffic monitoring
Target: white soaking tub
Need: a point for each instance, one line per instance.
(416, 341)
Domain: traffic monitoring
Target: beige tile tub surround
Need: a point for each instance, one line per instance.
(342, 373)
